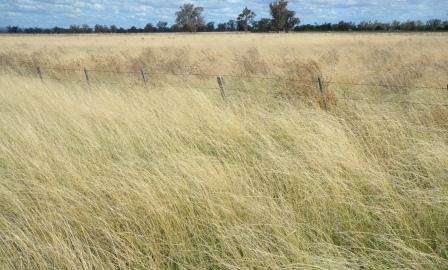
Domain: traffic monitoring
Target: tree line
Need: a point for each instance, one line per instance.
(189, 18)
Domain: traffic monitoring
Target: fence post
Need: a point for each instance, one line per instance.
(222, 87)
(143, 77)
(322, 93)
(39, 72)
(87, 76)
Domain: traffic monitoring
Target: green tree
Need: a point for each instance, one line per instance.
(395, 25)
(162, 26)
(231, 25)
(113, 28)
(246, 19)
(101, 28)
(149, 28)
(264, 25)
(210, 27)
(434, 24)
(13, 29)
(189, 17)
(291, 20)
(74, 28)
(283, 19)
(222, 27)
(86, 29)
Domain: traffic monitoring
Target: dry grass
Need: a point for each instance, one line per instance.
(171, 177)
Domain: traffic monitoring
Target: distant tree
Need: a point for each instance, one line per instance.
(162, 26)
(264, 25)
(395, 25)
(149, 28)
(13, 29)
(175, 28)
(306, 27)
(445, 26)
(324, 27)
(412, 26)
(367, 26)
(246, 19)
(86, 29)
(133, 29)
(98, 28)
(282, 18)
(434, 24)
(222, 27)
(57, 30)
(189, 17)
(288, 21)
(210, 27)
(33, 30)
(122, 30)
(343, 26)
(113, 28)
(231, 25)
(420, 26)
(291, 20)
(74, 29)
(379, 26)
(101, 28)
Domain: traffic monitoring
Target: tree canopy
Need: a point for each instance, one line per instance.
(283, 19)
(245, 19)
(189, 18)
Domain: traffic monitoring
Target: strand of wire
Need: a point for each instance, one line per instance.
(276, 78)
(236, 89)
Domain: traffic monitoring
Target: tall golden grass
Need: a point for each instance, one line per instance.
(172, 177)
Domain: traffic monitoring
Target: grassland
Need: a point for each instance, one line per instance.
(171, 177)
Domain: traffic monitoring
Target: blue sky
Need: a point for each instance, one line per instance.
(47, 13)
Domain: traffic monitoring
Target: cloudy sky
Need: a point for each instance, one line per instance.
(47, 13)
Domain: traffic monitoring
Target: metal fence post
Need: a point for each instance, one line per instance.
(143, 77)
(322, 93)
(222, 87)
(86, 74)
(39, 72)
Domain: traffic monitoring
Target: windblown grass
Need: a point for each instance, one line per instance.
(172, 177)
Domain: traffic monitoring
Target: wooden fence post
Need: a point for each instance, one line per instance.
(143, 77)
(39, 72)
(322, 93)
(222, 87)
(87, 76)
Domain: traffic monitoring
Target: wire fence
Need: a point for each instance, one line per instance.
(145, 78)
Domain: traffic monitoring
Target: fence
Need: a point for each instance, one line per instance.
(145, 78)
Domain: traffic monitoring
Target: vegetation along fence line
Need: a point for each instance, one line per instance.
(145, 77)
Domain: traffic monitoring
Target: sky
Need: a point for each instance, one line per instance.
(126, 13)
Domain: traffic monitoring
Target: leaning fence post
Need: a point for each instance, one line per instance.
(143, 77)
(39, 72)
(322, 93)
(87, 76)
(222, 87)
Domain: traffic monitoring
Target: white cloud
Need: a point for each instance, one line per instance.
(98, 7)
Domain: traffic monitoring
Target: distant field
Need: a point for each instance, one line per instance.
(168, 175)
(352, 56)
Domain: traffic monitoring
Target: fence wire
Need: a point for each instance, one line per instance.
(142, 73)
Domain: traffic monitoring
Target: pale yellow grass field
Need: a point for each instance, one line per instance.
(171, 177)
(355, 57)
